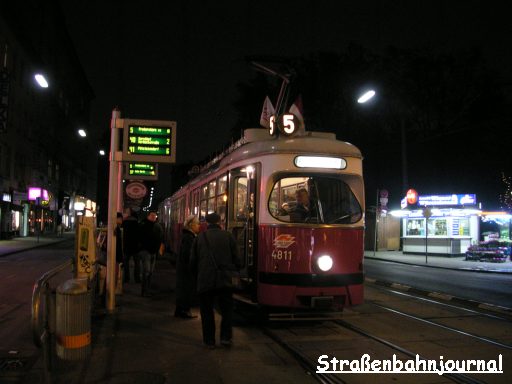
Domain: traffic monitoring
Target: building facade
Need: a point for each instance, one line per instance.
(44, 163)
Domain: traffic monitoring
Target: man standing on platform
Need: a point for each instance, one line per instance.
(214, 250)
(131, 245)
(151, 237)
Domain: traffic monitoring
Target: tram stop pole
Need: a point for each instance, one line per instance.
(113, 196)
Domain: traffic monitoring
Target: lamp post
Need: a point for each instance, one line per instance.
(403, 146)
(365, 97)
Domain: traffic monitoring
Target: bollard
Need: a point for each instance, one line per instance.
(73, 320)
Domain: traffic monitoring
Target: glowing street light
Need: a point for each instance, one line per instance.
(102, 152)
(82, 133)
(41, 80)
(366, 96)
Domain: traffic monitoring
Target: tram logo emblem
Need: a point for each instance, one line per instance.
(284, 241)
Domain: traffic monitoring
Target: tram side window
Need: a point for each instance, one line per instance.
(203, 207)
(241, 211)
(222, 197)
(194, 206)
(203, 210)
(314, 199)
(177, 210)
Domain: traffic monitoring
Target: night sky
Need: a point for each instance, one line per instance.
(182, 60)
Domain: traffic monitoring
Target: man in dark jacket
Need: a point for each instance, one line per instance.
(185, 281)
(212, 250)
(150, 238)
(131, 245)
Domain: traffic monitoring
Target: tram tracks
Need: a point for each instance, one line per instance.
(300, 339)
(303, 359)
(431, 300)
(455, 377)
(481, 338)
(301, 355)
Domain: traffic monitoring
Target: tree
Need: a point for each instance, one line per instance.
(451, 104)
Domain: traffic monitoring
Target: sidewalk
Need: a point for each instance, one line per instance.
(20, 244)
(440, 262)
(142, 342)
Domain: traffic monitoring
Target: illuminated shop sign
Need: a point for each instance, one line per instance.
(34, 193)
(149, 141)
(467, 199)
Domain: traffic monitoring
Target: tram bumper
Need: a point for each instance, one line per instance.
(298, 290)
(309, 297)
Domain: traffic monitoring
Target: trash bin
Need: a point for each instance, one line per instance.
(73, 320)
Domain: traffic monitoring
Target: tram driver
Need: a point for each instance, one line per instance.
(303, 209)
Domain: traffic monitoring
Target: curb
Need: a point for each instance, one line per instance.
(35, 246)
(436, 266)
(442, 296)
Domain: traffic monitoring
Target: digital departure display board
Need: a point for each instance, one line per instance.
(141, 171)
(149, 141)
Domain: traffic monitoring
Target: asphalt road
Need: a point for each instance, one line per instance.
(491, 288)
(18, 273)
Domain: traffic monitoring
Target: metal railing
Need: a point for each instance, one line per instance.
(40, 327)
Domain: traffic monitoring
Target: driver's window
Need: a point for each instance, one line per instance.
(314, 199)
(288, 197)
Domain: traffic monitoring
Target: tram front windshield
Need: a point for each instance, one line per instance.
(314, 199)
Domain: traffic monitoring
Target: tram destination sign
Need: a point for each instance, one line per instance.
(140, 171)
(149, 141)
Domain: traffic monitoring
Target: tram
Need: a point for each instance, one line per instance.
(295, 204)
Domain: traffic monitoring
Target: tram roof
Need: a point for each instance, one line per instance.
(258, 142)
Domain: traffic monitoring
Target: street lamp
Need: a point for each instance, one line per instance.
(82, 133)
(102, 152)
(41, 80)
(366, 96)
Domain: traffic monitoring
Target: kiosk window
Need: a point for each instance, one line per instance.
(440, 227)
(415, 227)
(461, 227)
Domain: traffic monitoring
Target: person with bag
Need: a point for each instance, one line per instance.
(214, 260)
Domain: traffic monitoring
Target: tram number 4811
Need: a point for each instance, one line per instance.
(281, 255)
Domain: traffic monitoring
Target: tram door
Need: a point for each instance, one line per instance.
(242, 218)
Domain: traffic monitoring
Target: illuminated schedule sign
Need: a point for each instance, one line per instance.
(152, 141)
(141, 171)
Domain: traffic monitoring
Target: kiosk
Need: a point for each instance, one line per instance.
(448, 229)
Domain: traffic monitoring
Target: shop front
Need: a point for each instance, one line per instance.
(444, 225)
(11, 217)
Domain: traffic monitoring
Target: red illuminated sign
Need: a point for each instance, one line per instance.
(412, 197)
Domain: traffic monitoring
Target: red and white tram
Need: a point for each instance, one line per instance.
(293, 257)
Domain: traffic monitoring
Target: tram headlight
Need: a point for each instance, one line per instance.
(324, 262)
